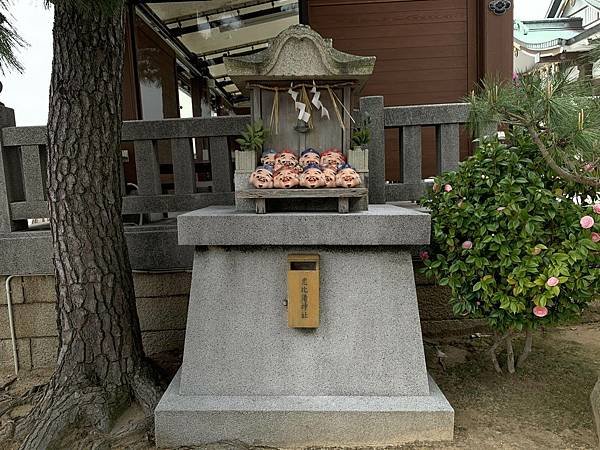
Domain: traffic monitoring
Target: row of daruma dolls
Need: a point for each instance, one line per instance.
(284, 170)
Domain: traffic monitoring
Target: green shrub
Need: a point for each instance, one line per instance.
(361, 136)
(253, 138)
(507, 238)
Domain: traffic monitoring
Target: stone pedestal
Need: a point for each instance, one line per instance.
(358, 379)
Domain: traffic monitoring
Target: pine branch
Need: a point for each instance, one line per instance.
(10, 41)
(569, 176)
(565, 109)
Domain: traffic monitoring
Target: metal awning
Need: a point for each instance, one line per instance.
(206, 31)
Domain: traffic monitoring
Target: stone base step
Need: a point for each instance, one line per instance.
(294, 421)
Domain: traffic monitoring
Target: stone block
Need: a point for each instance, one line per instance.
(26, 252)
(23, 353)
(30, 320)
(168, 313)
(162, 341)
(162, 284)
(384, 225)
(426, 114)
(44, 352)
(291, 421)
(238, 340)
(39, 289)
(16, 289)
(151, 247)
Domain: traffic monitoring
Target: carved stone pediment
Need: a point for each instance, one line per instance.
(299, 53)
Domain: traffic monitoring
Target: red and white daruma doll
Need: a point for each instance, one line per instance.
(285, 158)
(329, 173)
(347, 177)
(312, 177)
(268, 157)
(332, 157)
(262, 177)
(309, 156)
(286, 178)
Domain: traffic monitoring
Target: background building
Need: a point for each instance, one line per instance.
(428, 51)
(570, 29)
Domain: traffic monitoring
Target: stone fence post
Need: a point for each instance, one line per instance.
(11, 188)
(372, 107)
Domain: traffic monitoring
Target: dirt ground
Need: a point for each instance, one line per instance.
(543, 406)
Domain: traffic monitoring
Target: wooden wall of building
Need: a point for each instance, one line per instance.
(428, 51)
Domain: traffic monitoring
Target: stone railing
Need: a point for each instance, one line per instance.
(153, 246)
(23, 160)
(446, 118)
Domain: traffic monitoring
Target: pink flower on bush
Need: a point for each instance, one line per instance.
(597, 208)
(448, 188)
(424, 255)
(540, 311)
(588, 167)
(595, 237)
(587, 222)
(467, 245)
(552, 281)
(500, 208)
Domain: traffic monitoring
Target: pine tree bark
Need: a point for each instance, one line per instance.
(101, 366)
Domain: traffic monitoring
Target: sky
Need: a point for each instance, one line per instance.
(27, 93)
(530, 9)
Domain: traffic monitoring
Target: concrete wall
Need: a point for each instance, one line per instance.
(437, 318)
(162, 300)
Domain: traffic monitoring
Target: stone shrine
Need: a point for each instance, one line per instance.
(303, 327)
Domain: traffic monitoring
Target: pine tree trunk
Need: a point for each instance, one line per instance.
(101, 366)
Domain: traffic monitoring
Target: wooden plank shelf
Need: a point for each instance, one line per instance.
(343, 195)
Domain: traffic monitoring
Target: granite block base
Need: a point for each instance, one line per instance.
(299, 421)
(238, 341)
(358, 379)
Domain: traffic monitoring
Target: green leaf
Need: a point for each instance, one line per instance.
(560, 257)
(589, 244)
(529, 228)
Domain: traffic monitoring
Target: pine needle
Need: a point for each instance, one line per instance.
(10, 41)
(562, 110)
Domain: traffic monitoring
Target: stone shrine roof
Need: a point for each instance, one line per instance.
(299, 53)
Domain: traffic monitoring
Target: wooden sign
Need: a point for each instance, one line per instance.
(303, 291)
